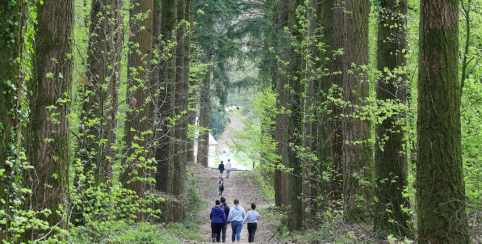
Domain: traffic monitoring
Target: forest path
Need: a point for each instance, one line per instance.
(241, 185)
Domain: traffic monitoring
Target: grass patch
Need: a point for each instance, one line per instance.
(246, 161)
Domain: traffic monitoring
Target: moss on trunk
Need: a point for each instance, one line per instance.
(48, 143)
(440, 184)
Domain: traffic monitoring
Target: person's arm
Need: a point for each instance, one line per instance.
(211, 215)
(245, 218)
(230, 216)
(224, 219)
(257, 217)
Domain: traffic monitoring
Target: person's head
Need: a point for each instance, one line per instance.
(236, 202)
(217, 202)
(221, 162)
(223, 199)
(229, 160)
(221, 178)
(253, 206)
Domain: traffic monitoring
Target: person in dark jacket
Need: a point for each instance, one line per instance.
(218, 221)
(221, 186)
(226, 212)
(221, 168)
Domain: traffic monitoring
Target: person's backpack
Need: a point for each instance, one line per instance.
(224, 209)
(221, 184)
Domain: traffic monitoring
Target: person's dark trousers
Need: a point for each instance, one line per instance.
(251, 231)
(216, 229)
(224, 234)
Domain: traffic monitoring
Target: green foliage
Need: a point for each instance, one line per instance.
(123, 232)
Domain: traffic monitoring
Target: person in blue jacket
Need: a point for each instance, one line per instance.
(218, 221)
(221, 168)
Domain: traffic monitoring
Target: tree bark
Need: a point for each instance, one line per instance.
(101, 89)
(281, 178)
(390, 156)
(205, 113)
(48, 144)
(440, 184)
(166, 77)
(357, 153)
(137, 122)
(336, 179)
(295, 129)
(187, 71)
(324, 121)
(178, 105)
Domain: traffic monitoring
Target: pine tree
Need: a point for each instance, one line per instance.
(440, 184)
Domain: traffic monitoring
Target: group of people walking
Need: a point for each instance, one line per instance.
(221, 215)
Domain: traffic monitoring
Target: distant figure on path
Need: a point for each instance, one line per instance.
(226, 212)
(221, 186)
(236, 217)
(221, 168)
(252, 218)
(228, 168)
(218, 221)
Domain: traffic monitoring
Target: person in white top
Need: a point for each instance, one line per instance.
(228, 168)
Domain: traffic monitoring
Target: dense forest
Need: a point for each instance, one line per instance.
(358, 114)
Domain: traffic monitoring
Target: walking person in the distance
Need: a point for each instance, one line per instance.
(252, 218)
(228, 168)
(221, 186)
(221, 168)
(218, 221)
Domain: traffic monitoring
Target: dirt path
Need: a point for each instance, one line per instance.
(241, 185)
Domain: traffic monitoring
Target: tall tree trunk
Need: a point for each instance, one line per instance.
(205, 113)
(295, 128)
(137, 122)
(324, 121)
(187, 72)
(48, 141)
(177, 186)
(336, 179)
(281, 178)
(166, 76)
(440, 184)
(357, 152)
(390, 161)
(101, 90)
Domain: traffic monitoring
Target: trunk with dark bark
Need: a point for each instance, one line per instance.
(357, 152)
(440, 181)
(48, 143)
